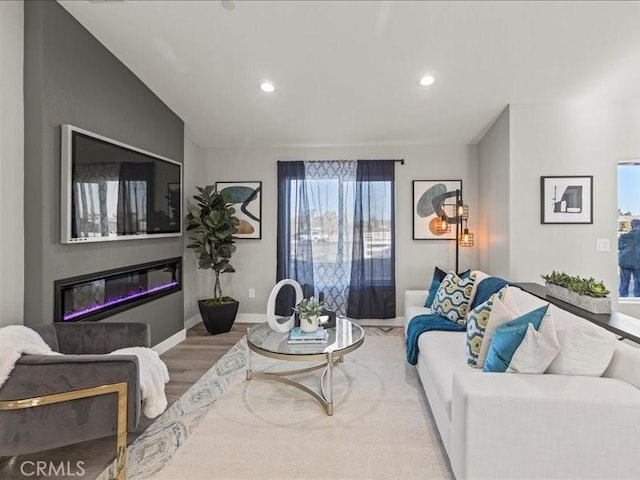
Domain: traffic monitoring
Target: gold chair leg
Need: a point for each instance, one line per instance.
(121, 389)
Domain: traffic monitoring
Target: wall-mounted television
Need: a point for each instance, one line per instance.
(113, 191)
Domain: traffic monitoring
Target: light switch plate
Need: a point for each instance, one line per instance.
(603, 245)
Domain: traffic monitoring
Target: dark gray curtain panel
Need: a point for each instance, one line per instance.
(294, 243)
(372, 289)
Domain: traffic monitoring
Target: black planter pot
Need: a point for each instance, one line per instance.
(218, 318)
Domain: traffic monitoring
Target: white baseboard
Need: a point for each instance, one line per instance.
(251, 317)
(378, 322)
(170, 342)
(192, 322)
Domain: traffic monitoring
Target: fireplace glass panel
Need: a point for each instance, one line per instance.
(106, 293)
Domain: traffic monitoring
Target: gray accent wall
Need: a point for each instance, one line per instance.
(494, 197)
(70, 77)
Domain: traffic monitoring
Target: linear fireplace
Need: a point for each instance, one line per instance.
(99, 295)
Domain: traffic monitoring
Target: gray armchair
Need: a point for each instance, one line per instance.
(83, 365)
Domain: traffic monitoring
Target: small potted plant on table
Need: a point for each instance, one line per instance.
(211, 224)
(308, 310)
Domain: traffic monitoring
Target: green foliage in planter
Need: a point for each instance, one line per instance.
(582, 286)
(211, 224)
(211, 302)
(308, 307)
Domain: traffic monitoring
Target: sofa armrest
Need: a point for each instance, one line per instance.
(415, 298)
(543, 426)
(37, 375)
(102, 337)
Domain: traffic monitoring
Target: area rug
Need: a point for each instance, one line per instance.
(226, 427)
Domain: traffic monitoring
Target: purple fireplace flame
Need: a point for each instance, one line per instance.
(102, 294)
(117, 301)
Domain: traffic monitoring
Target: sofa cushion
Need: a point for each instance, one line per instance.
(584, 350)
(442, 354)
(477, 320)
(625, 364)
(523, 301)
(453, 298)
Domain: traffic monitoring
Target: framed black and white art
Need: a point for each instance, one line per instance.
(566, 199)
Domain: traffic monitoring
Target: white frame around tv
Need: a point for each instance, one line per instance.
(66, 136)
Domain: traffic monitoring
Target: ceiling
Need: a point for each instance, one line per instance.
(347, 72)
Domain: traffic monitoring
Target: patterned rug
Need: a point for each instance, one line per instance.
(223, 404)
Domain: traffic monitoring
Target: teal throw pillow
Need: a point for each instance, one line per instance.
(508, 337)
(438, 276)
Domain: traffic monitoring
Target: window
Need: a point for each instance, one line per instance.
(629, 230)
(336, 232)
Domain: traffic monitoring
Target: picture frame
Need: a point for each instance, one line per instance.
(430, 197)
(566, 199)
(246, 198)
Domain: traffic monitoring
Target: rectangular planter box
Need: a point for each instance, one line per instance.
(590, 304)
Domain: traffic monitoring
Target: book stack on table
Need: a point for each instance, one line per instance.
(298, 337)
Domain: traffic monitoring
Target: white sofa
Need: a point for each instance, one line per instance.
(518, 426)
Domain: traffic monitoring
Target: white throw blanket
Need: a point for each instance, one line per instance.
(153, 376)
(18, 340)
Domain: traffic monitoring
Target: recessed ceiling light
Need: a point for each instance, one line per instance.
(267, 87)
(228, 4)
(427, 80)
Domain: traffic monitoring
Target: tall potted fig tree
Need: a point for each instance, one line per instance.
(211, 224)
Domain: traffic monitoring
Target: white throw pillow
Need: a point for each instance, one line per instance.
(585, 350)
(502, 311)
(479, 275)
(537, 350)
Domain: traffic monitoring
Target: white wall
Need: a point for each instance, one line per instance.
(548, 140)
(494, 201)
(11, 163)
(196, 283)
(255, 260)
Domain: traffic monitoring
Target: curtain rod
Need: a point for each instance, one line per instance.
(396, 160)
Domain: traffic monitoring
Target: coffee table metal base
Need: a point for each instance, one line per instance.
(325, 396)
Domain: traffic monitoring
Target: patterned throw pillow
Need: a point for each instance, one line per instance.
(452, 299)
(438, 276)
(477, 320)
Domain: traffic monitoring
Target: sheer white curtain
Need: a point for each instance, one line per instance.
(331, 190)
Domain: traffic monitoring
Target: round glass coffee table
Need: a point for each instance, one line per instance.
(345, 337)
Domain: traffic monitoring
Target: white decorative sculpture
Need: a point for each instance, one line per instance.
(271, 306)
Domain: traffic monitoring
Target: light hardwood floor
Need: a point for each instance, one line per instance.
(186, 362)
